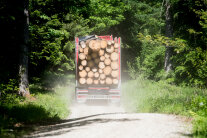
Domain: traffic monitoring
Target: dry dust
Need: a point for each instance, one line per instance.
(103, 121)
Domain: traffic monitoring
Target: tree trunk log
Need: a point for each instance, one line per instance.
(114, 56)
(83, 74)
(103, 44)
(107, 70)
(109, 80)
(114, 65)
(89, 81)
(109, 49)
(115, 81)
(90, 74)
(82, 80)
(107, 61)
(82, 56)
(23, 66)
(115, 73)
(84, 62)
(80, 67)
(101, 65)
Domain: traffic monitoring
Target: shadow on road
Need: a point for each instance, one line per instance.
(65, 126)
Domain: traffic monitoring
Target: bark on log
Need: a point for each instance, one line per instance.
(94, 55)
(82, 80)
(103, 44)
(83, 74)
(97, 60)
(89, 57)
(109, 80)
(97, 45)
(115, 73)
(102, 76)
(101, 65)
(84, 62)
(107, 70)
(96, 74)
(114, 56)
(83, 44)
(109, 49)
(80, 67)
(90, 74)
(107, 61)
(114, 65)
(90, 63)
(102, 58)
(115, 81)
(89, 81)
(82, 56)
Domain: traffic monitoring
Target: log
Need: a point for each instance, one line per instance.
(102, 81)
(109, 49)
(80, 49)
(96, 82)
(91, 44)
(100, 71)
(94, 55)
(109, 80)
(107, 70)
(115, 73)
(107, 55)
(90, 74)
(102, 76)
(102, 58)
(80, 67)
(97, 45)
(116, 50)
(84, 62)
(101, 52)
(109, 42)
(115, 81)
(114, 65)
(90, 64)
(82, 80)
(89, 57)
(97, 60)
(112, 42)
(101, 65)
(94, 69)
(85, 50)
(82, 56)
(83, 74)
(114, 56)
(107, 61)
(116, 45)
(96, 74)
(89, 81)
(83, 44)
(87, 69)
(103, 44)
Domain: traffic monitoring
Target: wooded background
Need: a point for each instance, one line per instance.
(162, 39)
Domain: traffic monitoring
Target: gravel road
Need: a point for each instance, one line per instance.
(92, 121)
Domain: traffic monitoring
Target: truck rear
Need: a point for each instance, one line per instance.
(98, 68)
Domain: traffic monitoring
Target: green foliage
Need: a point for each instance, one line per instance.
(143, 95)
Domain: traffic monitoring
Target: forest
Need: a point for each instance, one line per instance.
(164, 46)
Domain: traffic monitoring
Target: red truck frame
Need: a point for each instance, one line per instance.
(83, 93)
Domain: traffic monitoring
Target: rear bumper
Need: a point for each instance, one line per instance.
(98, 93)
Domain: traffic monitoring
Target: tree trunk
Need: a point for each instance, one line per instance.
(23, 66)
(169, 33)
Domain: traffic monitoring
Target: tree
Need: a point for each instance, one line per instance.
(23, 65)
(168, 33)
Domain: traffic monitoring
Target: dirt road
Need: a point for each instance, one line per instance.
(88, 121)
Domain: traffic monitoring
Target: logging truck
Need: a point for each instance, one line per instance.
(98, 68)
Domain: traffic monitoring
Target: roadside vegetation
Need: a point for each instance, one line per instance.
(142, 95)
(45, 105)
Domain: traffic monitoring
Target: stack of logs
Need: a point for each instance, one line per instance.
(98, 62)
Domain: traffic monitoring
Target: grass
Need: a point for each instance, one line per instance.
(148, 96)
(46, 105)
